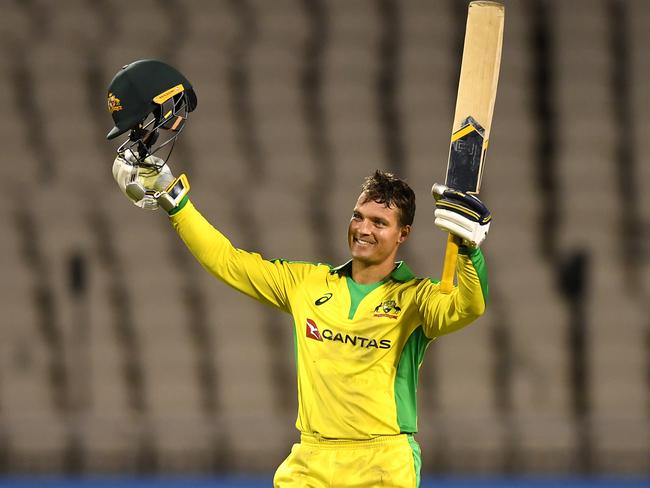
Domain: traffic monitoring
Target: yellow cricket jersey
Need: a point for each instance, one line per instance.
(358, 347)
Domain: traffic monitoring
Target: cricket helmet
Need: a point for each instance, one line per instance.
(145, 97)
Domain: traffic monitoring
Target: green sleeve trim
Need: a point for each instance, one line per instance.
(180, 205)
(406, 380)
(478, 260)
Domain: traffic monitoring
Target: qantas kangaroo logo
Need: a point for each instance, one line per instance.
(312, 331)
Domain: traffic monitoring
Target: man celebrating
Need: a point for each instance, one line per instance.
(361, 329)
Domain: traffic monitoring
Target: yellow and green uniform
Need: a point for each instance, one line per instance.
(358, 347)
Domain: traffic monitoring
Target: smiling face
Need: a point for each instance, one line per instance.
(375, 233)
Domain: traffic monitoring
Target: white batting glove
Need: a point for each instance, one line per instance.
(140, 183)
(462, 215)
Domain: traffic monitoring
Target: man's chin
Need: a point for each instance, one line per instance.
(362, 257)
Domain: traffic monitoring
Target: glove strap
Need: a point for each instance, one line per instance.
(174, 194)
(180, 206)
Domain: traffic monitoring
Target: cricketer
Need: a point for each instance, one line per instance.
(361, 329)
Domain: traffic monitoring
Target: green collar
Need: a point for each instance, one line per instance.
(401, 272)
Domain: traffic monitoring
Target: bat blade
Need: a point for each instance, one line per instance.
(477, 89)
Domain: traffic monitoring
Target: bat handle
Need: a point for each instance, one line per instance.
(449, 267)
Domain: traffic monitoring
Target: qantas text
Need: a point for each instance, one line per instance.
(357, 341)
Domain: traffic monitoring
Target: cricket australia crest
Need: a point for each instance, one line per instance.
(114, 104)
(387, 308)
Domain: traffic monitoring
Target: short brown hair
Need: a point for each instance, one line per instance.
(386, 188)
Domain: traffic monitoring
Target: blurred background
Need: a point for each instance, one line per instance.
(120, 355)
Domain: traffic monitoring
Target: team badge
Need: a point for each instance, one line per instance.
(114, 104)
(388, 308)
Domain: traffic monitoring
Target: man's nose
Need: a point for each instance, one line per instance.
(364, 226)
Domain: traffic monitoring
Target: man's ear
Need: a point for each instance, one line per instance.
(404, 233)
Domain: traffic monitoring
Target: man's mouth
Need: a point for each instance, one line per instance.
(362, 242)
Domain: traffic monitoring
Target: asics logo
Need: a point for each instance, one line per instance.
(323, 299)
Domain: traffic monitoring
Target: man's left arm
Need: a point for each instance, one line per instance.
(469, 219)
(443, 313)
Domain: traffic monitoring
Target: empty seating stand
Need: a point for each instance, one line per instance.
(120, 353)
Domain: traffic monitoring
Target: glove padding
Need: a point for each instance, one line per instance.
(462, 215)
(140, 183)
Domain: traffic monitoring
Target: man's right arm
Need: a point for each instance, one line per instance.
(267, 281)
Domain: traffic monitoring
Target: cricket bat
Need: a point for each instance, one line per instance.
(477, 90)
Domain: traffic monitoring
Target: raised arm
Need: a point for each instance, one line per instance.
(446, 310)
(444, 313)
(269, 282)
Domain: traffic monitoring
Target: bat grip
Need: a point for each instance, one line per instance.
(449, 267)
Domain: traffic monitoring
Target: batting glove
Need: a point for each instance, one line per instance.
(462, 215)
(141, 184)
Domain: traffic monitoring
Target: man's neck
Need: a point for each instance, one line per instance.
(367, 274)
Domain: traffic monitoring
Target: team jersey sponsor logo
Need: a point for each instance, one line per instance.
(323, 299)
(388, 308)
(353, 340)
(114, 104)
(312, 331)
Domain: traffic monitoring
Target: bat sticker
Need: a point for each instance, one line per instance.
(466, 157)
